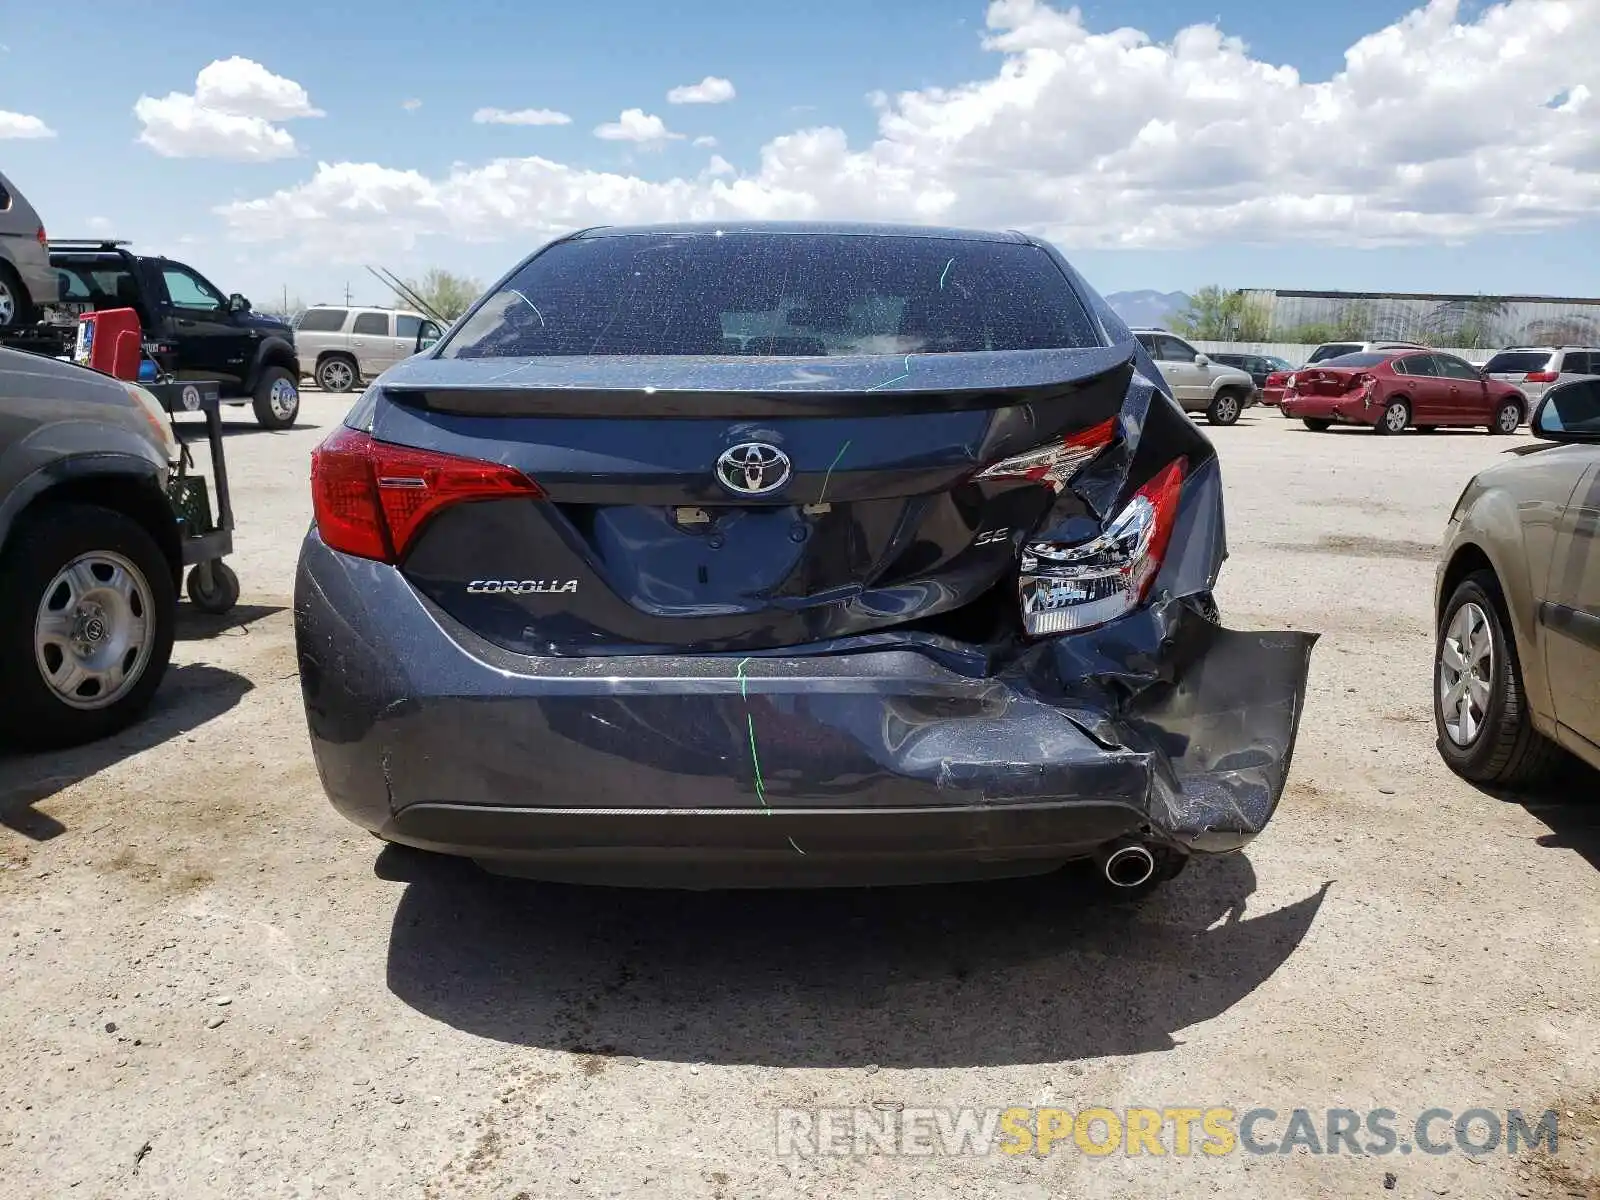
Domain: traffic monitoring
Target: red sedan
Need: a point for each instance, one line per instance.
(1389, 390)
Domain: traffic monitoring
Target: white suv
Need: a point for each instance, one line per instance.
(1197, 383)
(1339, 349)
(341, 347)
(1533, 369)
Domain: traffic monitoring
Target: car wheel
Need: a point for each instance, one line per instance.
(1396, 416)
(1225, 408)
(1508, 419)
(1316, 424)
(277, 399)
(87, 609)
(15, 306)
(336, 374)
(1480, 709)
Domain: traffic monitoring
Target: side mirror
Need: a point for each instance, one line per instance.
(1200, 360)
(1569, 412)
(427, 336)
(237, 303)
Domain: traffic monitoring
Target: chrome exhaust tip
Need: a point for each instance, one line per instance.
(1128, 865)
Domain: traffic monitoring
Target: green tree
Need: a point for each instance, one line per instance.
(446, 293)
(1479, 326)
(1354, 322)
(1212, 315)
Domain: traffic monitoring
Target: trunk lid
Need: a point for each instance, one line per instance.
(736, 505)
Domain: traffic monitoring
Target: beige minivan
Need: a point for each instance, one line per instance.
(340, 347)
(27, 280)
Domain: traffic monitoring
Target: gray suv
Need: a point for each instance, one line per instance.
(90, 555)
(26, 279)
(1198, 383)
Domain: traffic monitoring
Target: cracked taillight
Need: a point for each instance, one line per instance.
(1066, 588)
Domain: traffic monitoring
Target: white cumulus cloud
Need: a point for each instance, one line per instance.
(635, 125)
(710, 90)
(231, 114)
(1442, 126)
(411, 105)
(521, 116)
(20, 125)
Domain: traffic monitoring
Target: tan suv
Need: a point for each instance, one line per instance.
(341, 347)
(27, 280)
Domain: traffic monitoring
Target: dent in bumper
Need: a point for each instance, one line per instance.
(1161, 724)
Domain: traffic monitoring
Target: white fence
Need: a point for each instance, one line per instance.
(1295, 354)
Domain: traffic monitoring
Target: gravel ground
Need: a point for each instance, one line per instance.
(212, 986)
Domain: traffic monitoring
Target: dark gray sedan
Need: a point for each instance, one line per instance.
(771, 554)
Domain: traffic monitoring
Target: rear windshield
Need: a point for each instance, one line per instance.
(1323, 353)
(777, 294)
(1355, 360)
(1517, 362)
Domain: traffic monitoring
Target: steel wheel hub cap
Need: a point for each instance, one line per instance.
(337, 374)
(92, 632)
(8, 305)
(283, 398)
(1397, 418)
(1225, 409)
(1466, 673)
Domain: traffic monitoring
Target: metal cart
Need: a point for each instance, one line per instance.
(212, 585)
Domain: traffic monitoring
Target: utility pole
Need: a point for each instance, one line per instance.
(347, 293)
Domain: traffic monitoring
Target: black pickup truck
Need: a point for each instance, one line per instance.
(191, 328)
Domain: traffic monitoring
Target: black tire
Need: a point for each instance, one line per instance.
(1225, 407)
(223, 593)
(1395, 417)
(46, 542)
(1317, 424)
(16, 309)
(1507, 419)
(272, 412)
(338, 373)
(1506, 751)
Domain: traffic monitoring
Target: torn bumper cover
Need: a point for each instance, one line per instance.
(887, 757)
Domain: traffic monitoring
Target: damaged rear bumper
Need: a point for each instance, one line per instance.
(885, 758)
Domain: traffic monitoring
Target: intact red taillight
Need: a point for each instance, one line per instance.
(1056, 463)
(1541, 377)
(43, 241)
(1276, 379)
(371, 497)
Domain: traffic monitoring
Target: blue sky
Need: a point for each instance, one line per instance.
(1167, 165)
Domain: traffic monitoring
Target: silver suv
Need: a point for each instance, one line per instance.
(1534, 369)
(341, 347)
(1197, 383)
(27, 280)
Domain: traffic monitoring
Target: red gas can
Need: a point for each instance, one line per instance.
(110, 342)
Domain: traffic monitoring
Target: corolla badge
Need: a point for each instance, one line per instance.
(753, 468)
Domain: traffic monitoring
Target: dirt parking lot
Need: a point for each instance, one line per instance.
(213, 986)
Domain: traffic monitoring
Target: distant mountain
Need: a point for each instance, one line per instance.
(1147, 307)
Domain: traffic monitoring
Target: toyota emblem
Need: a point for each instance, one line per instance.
(753, 468)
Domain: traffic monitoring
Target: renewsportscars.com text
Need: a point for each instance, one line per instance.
(1178, 1130)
